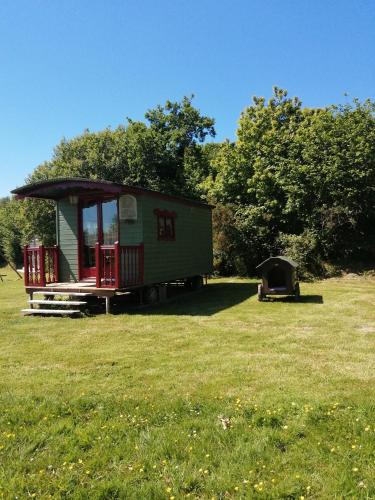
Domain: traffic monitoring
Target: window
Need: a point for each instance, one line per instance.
(166, 224)
(109, 222)
(98, 224)
(89, 232)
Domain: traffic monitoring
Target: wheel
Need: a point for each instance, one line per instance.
(196, 282)
(297, 291)
(150, 295)
(260, 293)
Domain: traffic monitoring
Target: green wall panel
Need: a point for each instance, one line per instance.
(67, 240)
(131, 232)
(189, 254)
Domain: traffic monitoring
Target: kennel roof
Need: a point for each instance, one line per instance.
(276, 260)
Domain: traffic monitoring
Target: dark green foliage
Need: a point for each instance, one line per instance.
(303, 181)
(302, 248)
(297, 181)
(225, 236)
(164, 154)
(157, 155)
(21, 222)
(177, 129)
(3, 202)
(11, 222)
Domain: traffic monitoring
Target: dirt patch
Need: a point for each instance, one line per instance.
(367, 329)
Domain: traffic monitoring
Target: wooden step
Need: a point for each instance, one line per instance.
(71, 294)
(58, 302)
(62, 312)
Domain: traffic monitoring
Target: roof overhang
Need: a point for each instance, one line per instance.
(277, 260)
(58, 188)
(61, 188)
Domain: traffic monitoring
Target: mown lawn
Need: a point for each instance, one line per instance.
(134, 405)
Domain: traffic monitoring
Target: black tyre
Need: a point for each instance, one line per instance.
(260, 293)
(297, 291)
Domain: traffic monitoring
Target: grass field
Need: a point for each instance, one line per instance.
(214, 395)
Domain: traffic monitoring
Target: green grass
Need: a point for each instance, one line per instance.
(127, 406)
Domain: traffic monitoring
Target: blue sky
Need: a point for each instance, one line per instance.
(67, 65)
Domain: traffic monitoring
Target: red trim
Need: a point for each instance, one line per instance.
(42, 265)
(56, 262)
(79, 239)
(117, 265)
(118, 218)
(98, 265)
(25, 265)
(99, 215)
(84, 272)
(92, 271)
(165, 213)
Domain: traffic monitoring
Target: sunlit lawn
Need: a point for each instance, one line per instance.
(213, 395)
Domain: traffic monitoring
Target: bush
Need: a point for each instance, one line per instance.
(303, 249)
(224, 239)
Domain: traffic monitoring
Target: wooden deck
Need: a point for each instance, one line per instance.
(86, 286)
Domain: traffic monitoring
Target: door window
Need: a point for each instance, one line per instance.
(90, 233)
(109, 224)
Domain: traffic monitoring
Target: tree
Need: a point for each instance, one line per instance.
(151, 154)
(12, 218)
(179, 128)
(296, 180)
(302, 181)
(164, 154)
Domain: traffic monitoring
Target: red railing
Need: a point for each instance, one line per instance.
(41, 265)
(131, 265)
(118, 266)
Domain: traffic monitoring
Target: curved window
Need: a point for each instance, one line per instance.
(128, 207)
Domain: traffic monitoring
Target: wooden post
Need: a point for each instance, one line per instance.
(98, 265)
(31, 295)
(56, 263)
(117, 265)
(10, 264)
(42, 271)
(108, 305)
(25, 265)
(141, 263)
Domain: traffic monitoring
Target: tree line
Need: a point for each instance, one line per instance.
(296, 181)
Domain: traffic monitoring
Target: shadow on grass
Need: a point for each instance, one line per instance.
(303, 299)
(211, 299)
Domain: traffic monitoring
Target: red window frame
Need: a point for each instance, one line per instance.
(162, 217)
